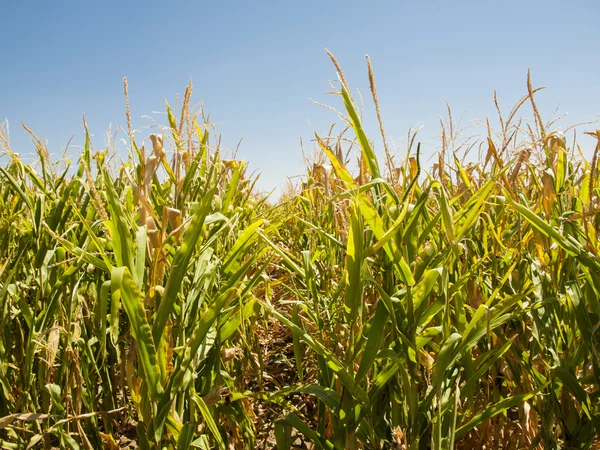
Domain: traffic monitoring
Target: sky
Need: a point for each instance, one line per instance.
(255, 66)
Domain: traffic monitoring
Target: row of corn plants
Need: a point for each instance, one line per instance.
(445, 309)
(125, 296)
(441, 308)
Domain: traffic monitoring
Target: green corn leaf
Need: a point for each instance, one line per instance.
(119, 227)
(575, 388)
(492, 411)
(374, 341)
(140, 260)
(179, 267)
(207, 319)
(9, 178)
(123, 286)
(375, 223)
(298, 351)
(338, 165)
(445, 358)
(210, 422)
(316, 438)
(245, 239)
(353, 272)
(283, 435)
(566, 242)
(186, 435)
(561, 170)
(424, 287)
(447, 215)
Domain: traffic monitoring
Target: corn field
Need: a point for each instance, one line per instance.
(162, 302)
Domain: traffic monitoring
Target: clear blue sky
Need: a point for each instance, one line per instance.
(255, 64)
